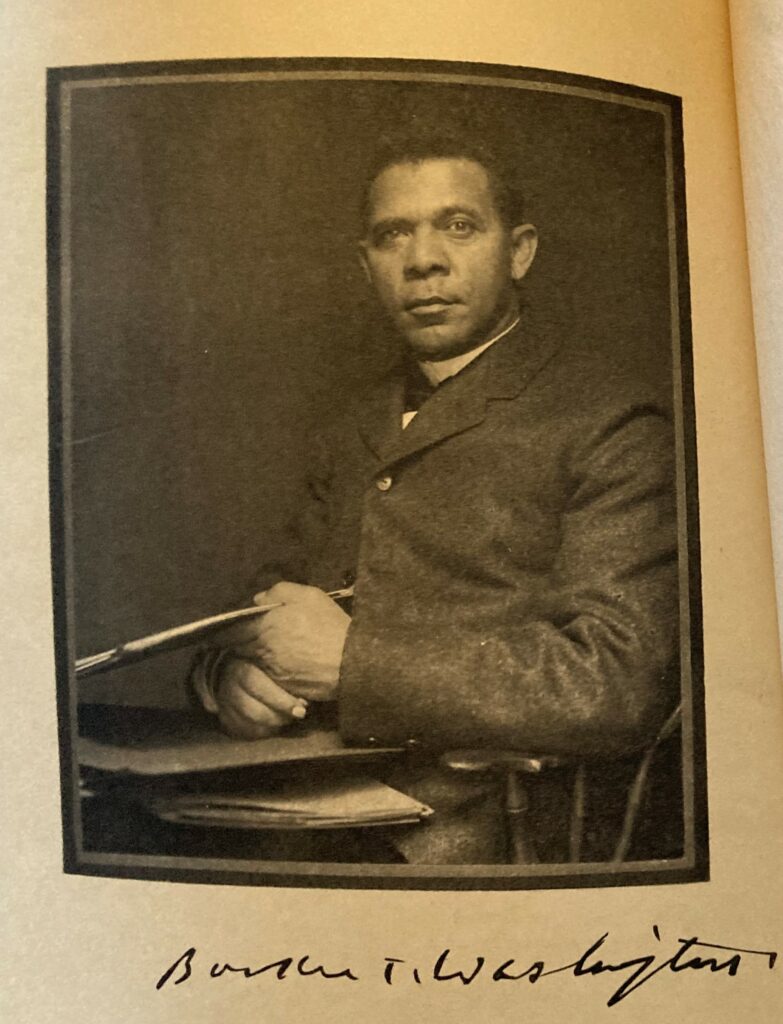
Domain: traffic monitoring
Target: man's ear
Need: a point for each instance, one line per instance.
(362, 253)
(524, 242)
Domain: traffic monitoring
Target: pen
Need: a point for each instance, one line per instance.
(178, 636)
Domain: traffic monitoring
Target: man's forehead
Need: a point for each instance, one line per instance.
(424, 186)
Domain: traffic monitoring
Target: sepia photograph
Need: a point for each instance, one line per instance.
(373, 471)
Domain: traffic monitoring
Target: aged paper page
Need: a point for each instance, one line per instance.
(757, 36)
(86, 948)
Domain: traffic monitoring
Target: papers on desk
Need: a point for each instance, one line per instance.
(156, 741)
(316, 803)
(182, 769)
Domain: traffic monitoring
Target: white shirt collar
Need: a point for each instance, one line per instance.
(438, 371)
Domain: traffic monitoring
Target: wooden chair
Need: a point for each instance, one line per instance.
(517, 768)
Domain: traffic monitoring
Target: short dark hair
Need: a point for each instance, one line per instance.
(415, 144)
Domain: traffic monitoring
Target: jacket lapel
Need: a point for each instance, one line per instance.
(516, 360)
(380, 416)
(459, 404)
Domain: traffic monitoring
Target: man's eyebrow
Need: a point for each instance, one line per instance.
(458, 209)
(390, 224)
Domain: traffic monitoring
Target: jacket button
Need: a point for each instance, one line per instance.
(349, 578)
(411, 744)
(383, 483)
(371, 741)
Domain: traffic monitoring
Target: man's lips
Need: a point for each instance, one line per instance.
(431, 304)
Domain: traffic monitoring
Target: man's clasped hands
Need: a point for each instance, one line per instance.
(273, 665)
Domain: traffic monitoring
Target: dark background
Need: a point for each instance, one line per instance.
(219, 310)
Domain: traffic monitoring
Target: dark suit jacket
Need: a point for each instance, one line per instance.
(514, 551)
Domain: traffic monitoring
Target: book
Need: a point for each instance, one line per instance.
(157, 951)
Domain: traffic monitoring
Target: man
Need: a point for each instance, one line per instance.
(507, 511)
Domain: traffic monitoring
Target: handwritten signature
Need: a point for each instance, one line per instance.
(692, 954)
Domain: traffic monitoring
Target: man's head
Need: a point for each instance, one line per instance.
(444, 243)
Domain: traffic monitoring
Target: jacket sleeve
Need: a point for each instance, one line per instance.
(589, 670)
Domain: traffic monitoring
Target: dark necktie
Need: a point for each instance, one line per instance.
(417, 388)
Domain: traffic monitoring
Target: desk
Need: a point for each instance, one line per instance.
(115, 819)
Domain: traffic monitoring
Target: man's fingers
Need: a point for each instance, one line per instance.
(284, 592)
(258, 685)
(250, 694)
(244, 728)
(246, 631)
(253, 651)
(254, 710)
(242, 632)
(260, 646)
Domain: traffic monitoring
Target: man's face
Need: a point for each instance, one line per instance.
(439, 256)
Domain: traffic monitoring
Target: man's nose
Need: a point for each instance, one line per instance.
(425, 255)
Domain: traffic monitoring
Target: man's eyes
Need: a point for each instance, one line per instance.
(456, 227)
(460, 227)
(388, 236)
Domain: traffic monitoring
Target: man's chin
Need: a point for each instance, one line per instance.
(434, 345)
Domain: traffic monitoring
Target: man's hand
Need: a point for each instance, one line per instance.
(300, 644)
(250, 705)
